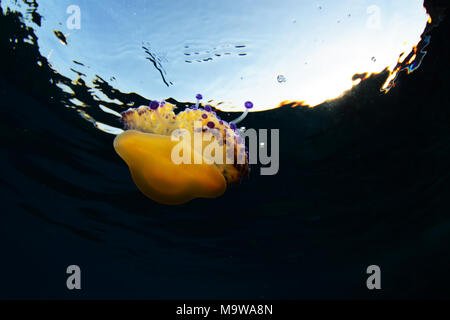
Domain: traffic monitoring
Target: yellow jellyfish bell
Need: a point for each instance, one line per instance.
(147, 149)
(149, 158)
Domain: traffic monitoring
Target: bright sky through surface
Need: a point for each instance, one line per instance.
(231, 51)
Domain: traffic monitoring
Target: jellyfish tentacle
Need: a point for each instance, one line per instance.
(199, 97)
(248, 106)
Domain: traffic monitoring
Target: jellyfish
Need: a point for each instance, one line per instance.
(147, 146)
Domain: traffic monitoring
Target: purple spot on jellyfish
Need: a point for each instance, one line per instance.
(211, 124)
(154, 105)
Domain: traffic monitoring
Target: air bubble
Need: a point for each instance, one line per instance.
(281, 78)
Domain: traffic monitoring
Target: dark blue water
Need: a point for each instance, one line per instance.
(363, 180)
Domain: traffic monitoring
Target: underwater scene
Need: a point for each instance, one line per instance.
(281, 150)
